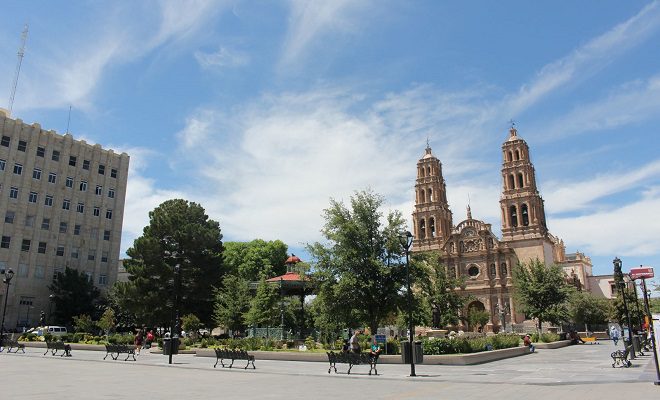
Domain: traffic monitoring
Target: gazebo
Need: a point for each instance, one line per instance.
(293, 283)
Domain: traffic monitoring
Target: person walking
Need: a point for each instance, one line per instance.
(139, 338)
(614, 334)
(353, 342)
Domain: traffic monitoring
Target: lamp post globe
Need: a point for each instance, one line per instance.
(8, 275)
(406, 239)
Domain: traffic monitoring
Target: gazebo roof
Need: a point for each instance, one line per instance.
(288, 277)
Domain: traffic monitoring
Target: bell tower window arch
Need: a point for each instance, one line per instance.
(422, 228)
(513, 213)
(521, 181)
(512, 184)
(524, 213)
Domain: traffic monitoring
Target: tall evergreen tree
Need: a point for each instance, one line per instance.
(232, 302)
(179, 232)
(73, 295)
(541, 291)
(264, 307)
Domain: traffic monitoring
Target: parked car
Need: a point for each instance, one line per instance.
(53, 330)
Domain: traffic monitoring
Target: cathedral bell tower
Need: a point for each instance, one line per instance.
(523, 215)
(432, 219)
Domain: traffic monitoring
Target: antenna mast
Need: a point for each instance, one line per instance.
(21, 53)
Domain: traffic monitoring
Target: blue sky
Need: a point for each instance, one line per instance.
(263, 110)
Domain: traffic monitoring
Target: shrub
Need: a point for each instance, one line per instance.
(188, 341)
(549, 337)
(393, 346)
(310, 343)
(29, 337)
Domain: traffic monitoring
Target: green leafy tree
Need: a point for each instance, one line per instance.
(179, 232)
(232, 302)
(191, 324)
(586, 309)
(73, 294)
(250, 260)
(541, 291)
(440, 289)
(107, 321)
(358, 270)
(477, 318)
(83, 323)
(264, 307)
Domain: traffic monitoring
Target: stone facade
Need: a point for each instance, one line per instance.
(61, 204)
(471, 250)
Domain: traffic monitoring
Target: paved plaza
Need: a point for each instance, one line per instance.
(574, 372)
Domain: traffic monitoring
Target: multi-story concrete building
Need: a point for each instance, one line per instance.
(471, 250)
(61, 205)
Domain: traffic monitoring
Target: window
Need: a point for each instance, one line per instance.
(22, 145)
(32, 198)
(59, 251)
(18, 169)
(493, 270)
(76, 230)
(99, 190)
(113, 173)
(52, 177)
(525, 215)
(6, 241)
(72, 161)
(41, 151)
(13, 193)
(23, 272)
(104, 256)
(48, 202)
(81, 207)
(85, 164)
(39, 271)
(56, 156)
(74, 252)
(36, 173)
(83, 186)
(90, 276)
(42, 248)
(29, 220)
(106, 235)
(97, 211)
(3, 163)
(103, 280)
(25, 245)
(5, 141)
(45, 224)
(473, 271)
(63, 227)
(101, 169)
(69, 182)
(108, 214)
(66, 204)
(9, 217)
(91, 256)
(111, 193)
(514, 216)
(56, 271)
(503, 269)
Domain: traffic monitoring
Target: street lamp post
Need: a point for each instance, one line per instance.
(9, 274)
(174, 331)
(406, 241)
(619, 273)
(50, 308)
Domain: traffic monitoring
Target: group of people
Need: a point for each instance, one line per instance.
(143, 339)
(353, 345)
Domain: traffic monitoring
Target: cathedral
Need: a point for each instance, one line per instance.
(472, 251)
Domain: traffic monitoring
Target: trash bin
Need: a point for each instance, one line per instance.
(170, 345)
(636, 343)
(405, 352)
(419, 353)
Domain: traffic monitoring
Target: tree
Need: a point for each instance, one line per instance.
(179, 232)
(264, 307)
(73, 294)
(250, 260)
(359, 270)
(107, 321)
(83, 323)
(623, 290)
(232, 302)
(440, 289)
(541, 291)
(586, 309)
(191, 324)
(477, 318)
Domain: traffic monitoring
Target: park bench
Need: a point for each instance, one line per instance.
(352, 359)
(227, 354)
(620, 357)
(114, 350)
(54, 347)
(11, 344)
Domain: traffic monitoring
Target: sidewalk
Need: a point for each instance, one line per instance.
(582, 371)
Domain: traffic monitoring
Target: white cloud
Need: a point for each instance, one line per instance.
(587, 59)
(224, 57)
(309, 20)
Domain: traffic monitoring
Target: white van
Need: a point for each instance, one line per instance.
(53, 330)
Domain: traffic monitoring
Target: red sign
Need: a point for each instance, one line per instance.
(641, 273)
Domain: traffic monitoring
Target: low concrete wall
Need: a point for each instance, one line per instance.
(553, 345)
(476, 358)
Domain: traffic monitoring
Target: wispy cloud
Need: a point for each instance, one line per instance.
(587, 59)
(224, 57)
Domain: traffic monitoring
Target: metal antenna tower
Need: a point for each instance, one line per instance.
(21, 53)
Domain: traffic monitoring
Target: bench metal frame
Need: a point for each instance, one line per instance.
(114, 350)
(226, 354)
(54, 347)
(353, 359)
